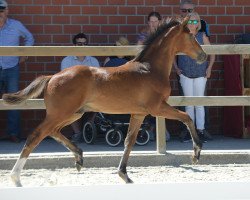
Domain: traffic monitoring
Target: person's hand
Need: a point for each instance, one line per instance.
(208, 72)
(178, 70)
(23, 59)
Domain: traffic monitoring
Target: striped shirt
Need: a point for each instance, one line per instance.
(10, 35)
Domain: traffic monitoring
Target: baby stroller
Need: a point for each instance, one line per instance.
(113, 129)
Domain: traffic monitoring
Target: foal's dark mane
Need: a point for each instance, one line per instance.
(162, 29)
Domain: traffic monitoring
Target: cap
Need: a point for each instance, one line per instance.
(122, 41)
(3, 4)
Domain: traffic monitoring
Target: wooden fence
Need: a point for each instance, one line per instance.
(229, 49)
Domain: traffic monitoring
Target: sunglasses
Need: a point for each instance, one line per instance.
(187, 10)
(193, 22)
(81, 43)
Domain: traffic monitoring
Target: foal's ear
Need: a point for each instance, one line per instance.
(185, 20)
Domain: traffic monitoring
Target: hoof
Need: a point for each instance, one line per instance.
(79, 165)
(197, 151)
(194, 160)
(79, 160)
(15, 179)
(125, 177)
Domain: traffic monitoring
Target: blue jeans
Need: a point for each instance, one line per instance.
(9, 83)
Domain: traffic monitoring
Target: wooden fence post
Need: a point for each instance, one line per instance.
(161, 135)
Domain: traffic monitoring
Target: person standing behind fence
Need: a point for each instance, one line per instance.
(78, 40)
(186, 7)
(154, 20)
(193, 76)
(11, 32)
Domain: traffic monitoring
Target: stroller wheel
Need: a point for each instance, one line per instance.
(142, 137)
(113, 137)
(89, 132)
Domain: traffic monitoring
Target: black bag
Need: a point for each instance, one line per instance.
(243, 39)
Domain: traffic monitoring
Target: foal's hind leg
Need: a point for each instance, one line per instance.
(134, 126)
(169, 112)
(32, 141)
(65, 142)
(72, 147)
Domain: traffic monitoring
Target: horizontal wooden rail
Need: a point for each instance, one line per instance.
(160, 125)
(31, 104)
(70, 50)
(108, 50)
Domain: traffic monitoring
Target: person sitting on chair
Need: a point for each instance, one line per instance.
(78, 40)
(114, 61)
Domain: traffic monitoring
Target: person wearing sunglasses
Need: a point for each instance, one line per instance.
(79, 40)
(186, 7)
(12, 33)
(193, 77)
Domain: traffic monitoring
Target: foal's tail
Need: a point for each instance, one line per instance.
(33, 90)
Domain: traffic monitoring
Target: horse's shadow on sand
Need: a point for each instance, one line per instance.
(187, 168)
(193, 168)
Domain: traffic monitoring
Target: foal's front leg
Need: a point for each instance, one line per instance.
(134, 126)
(170, 112)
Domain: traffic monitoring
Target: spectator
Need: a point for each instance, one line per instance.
(78, 40)
(154, 20)
(193, 76)
(10, 33)
(186, 7)
(114, 61)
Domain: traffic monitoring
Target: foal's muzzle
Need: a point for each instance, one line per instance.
(202, 57)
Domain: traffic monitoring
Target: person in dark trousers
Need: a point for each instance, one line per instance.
(11, 32)
(154, 20)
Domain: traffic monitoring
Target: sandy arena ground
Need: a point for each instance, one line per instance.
(104, 176)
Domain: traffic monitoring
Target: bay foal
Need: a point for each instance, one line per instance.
(140, 87)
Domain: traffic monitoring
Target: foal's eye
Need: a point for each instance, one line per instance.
(186, 29)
